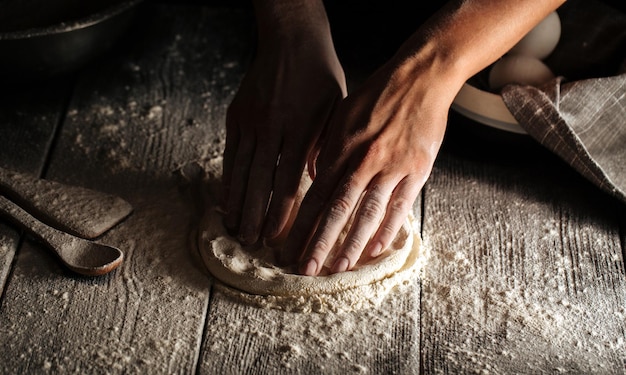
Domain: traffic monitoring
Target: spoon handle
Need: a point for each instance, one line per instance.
(51, 237)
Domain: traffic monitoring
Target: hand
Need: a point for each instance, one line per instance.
(274, 122)
(383, 139)
(381, 145)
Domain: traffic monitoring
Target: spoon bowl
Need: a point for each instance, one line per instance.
(91, 258)
(79, 255)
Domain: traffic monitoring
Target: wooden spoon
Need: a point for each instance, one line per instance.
(79, 255)
(76, 210)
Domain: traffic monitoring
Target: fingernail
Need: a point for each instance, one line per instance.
(309, 268)
(341, 265)
(376, 250)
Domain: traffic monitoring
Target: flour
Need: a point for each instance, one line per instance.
(380, 339)
(251, 276)
(257, 279)
(499, 322)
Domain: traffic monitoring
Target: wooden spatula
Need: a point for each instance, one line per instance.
(76, 210)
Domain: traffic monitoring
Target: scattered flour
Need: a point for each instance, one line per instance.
(380, 339)
(527, 308)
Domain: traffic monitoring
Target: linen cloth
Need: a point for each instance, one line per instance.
(583, 118)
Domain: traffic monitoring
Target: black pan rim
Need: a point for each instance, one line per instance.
(74, 25)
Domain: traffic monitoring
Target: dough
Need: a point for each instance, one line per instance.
(256, 278)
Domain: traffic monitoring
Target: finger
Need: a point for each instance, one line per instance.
(333, 220)
(286, 185)
(311, 163)
(400, 204)
(314, 153)
(238, 183)
(259, 188)
(313, 203)
(367, 219)
(230, 152)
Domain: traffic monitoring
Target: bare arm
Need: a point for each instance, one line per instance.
(383, 138)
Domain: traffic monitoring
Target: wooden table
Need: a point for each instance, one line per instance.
(526, 271)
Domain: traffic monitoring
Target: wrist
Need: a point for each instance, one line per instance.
(430, 68)
(291, 23)
(464, 37)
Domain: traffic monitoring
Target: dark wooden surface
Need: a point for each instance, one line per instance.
(526, 271)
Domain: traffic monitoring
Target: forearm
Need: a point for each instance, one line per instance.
(290, 22)
(464, 37)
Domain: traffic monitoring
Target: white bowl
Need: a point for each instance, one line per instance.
(485, 108)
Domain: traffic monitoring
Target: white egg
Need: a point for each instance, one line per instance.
(519, 69)
(541, 40)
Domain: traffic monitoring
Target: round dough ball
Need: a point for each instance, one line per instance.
(541, 40)
(522, 70)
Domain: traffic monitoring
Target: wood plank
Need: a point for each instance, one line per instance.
(241, 338)
(244, 339)
(154, 105)
(526, 274)
(29, 116)
(622, 228)
(623, 232)
(527, 271)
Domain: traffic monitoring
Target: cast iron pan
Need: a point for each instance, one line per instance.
(44, 38)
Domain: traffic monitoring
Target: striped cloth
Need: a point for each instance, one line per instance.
(582, 118)
(584, 122)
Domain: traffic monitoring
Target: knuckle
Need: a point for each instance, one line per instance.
(321, 248)
(387, 232)
(371, 210)
(353, 247)
(400, 205)
(339, 208)
(375, 149)
(374, 153)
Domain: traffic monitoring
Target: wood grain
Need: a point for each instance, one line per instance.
(244, 339)
(29, 117)
(526, 273)
(134, 120)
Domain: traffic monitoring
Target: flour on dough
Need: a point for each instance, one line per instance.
(252, 274)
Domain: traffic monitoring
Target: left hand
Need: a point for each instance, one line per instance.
(277, 116)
